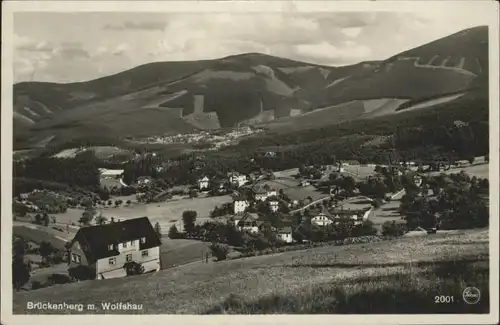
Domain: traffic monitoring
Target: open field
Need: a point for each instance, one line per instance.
(292, 189)
(359, 172)
(166, 213)
(478, 170)
(387, 212)
(38, 235)
(42, 275)
(176, 252)
(201, 288)
(169, 212)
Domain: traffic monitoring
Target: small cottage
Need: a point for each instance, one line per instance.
(203, 183)
(285, 234)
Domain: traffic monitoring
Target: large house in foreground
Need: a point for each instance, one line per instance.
(106, 248)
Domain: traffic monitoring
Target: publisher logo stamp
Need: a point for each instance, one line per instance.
(471, 295)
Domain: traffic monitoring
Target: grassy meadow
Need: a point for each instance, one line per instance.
(400, 276)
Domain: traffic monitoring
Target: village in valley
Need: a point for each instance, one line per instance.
(199, 168)
(149, 225)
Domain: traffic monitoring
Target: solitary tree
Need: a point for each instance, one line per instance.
(46, 249)
(173, 233)
(20, 271)
(189, 219)
(87, 217)
(219, 251)
(46, 219)
(158, 230)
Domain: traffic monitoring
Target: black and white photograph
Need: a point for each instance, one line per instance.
(334, 158)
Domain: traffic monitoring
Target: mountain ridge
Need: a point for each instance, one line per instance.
(237, 89)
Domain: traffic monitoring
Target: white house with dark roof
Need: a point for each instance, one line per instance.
(203, 183)
(272, 192)
(260, 193)
(285, 234)
(321, 219)
(240, 205)
(237, 179)
(249, 222)
(273, 205)
(358, 216)
(107, 248)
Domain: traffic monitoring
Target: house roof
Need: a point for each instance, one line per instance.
(110, 172)
(285, 229)
(98, 238)
(259, 189)
(250, 216)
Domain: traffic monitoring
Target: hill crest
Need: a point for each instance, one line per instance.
(242, 89)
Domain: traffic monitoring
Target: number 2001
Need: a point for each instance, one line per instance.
(443, 299)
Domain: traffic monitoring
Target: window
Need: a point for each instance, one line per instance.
(145, 253)
(132, 243)
(112, 261)
(110, 247)
(129, 257)
(76, 258)
(143, 240)
(125, 245)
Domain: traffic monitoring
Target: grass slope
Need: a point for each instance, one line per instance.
(288, 282)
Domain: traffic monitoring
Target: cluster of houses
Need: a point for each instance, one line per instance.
(258, 193)
(325, 217)
(246, 221)
(234, 178)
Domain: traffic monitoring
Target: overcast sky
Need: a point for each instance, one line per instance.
(67, 47)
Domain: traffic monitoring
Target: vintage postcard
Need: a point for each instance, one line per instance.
(312, 162)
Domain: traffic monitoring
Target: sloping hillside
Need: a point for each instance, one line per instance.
(448, 65)
(199, 288)
(245, 89)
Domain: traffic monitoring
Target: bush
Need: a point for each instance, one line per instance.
(393, 229)
(82, 273)
(37, 285)
(57, 278)
(365, 229)
(220, 251)
(173, 233)
(376, 203)
(133, 268)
